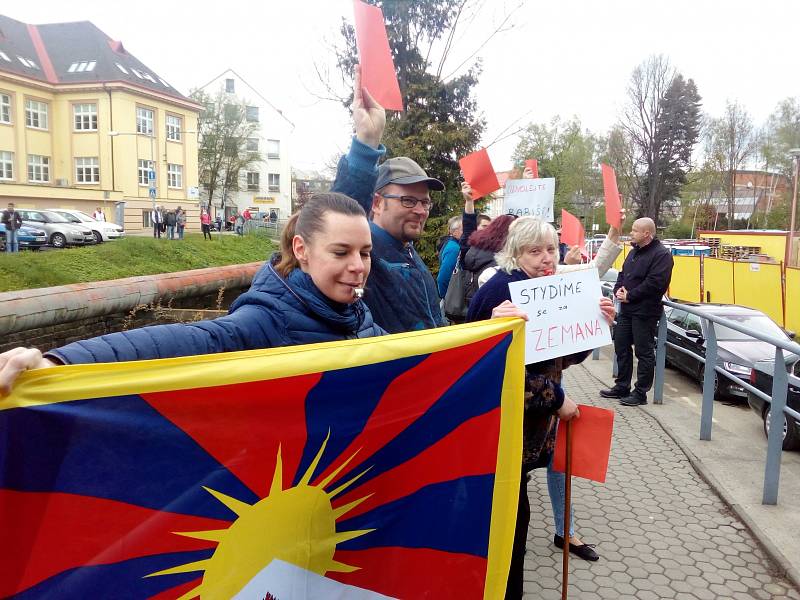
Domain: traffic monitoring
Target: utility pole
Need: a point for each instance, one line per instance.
(795, 153)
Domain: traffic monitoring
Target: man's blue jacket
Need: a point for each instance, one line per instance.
(400, 292)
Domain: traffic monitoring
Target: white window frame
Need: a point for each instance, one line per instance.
(5, 108)
(230, 89)
(273, 144)
(87, 170)
(274, 187)
(253, 181)
(36, 114)
(84, 116)
(6, 166)
(174, 128)
(252, 144)
(174, 176)
(143, 167)
(38, 168)
(252, 114)
(145, 120)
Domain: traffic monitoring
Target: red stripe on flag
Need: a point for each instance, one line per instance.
(471, 449)
(47, 533)
(414, 572)
(410, 396)
(242, 425)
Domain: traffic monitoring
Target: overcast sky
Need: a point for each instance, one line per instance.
(562, 57)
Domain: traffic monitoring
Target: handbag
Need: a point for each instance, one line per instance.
(455, 300)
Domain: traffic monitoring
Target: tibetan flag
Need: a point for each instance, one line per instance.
(363, 469)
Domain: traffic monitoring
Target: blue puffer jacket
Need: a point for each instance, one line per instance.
(273, 312)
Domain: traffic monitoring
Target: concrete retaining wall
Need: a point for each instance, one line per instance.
(50, 317)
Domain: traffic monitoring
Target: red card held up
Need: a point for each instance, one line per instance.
(533, 165)
(613, 205)
(479, 173)
(377, 67)
(572, 232)
(591, 443)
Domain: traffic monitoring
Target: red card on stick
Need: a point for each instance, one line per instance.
(613, 205)
(572, 232)
(533, 165)
(591, 443)
(377, 67)
(479, 173)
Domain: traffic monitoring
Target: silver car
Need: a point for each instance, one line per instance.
(102, 230)
(60, 232)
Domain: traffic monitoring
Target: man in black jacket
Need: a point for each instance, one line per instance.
(12, 221)
(640, 286)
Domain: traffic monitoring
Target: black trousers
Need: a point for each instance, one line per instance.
(638, 332)
(515, 571)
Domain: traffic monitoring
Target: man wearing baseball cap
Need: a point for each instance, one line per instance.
(400, 292)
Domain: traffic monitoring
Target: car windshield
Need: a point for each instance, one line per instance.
(69, 217)
(54, 217)
(760, 323)
(82, 216)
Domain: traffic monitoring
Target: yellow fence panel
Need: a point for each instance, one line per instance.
(685, 284)
(758, 286)
(621, 257)
(718, 281)
(793, 299)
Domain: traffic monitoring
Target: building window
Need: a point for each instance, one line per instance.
(253, 181)
(229, 86)
(174, 176)
(274, 181)
(147, 219)
(273, 148)
(87, 170)
(81, 66)
(252, 144)
(144, 170)
(252, 114)
(85, 117)
(144, 121)
(35, 114)
(38, 168)
(174, 127)
(5, 108)
(6, 166)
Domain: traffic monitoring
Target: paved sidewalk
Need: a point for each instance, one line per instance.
(660, 530)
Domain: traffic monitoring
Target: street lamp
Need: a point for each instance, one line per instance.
(795, 154)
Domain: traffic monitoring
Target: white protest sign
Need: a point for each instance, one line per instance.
(564, 314)
(530, 198)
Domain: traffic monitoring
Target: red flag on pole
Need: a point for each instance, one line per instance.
(591, 443)
(479, 173)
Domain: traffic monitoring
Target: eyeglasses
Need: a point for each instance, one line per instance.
(410, 201)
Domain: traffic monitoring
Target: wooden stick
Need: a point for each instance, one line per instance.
(567, 504)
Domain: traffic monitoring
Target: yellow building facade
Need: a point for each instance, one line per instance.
(83, 145)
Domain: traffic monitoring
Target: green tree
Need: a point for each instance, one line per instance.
(661, 122)
(571, 155)
(781, 134)
(223, 155)
(440, 122)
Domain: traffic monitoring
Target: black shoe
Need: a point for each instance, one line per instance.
(584, 551)
(633, 400)
(615, 392)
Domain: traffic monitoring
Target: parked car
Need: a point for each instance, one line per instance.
(736, 352)
(60, 232)
(29, 238)
(761, 378)
(103, 231)
(607, 283)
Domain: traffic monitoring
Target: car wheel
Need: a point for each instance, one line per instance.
(57, 240)
(701, 373)
(791, 436)
(98, 238)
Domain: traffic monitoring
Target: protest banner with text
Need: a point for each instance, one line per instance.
(530, 198)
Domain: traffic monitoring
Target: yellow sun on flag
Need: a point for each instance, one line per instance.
(296, 525)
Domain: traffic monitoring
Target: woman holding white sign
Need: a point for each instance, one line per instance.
(530, 251)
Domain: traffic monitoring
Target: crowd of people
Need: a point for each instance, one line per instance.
(348, 268)
(170, 222)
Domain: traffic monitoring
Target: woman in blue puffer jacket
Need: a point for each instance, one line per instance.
(308, 293)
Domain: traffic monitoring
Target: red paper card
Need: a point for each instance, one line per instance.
(572, 232)
(377, 67)
(591, 443)
(533, 165)
(479, 173)
(613, 205)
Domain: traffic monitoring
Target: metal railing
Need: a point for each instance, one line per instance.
(780, 386)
